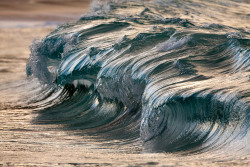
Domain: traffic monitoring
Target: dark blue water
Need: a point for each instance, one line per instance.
(172, 74)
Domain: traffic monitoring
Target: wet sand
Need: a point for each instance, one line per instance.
(25, 144)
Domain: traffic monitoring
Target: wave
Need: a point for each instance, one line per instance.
(135, 70)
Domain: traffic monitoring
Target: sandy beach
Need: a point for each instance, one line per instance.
(20, 23)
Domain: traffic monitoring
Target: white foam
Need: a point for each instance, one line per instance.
(172, 43)
(27, 24)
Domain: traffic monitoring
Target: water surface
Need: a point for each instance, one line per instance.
(150, 81)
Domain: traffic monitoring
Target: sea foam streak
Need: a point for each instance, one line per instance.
(147, 71)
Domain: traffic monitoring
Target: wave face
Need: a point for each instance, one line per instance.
(168, 73)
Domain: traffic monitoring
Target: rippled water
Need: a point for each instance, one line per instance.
(140, 77)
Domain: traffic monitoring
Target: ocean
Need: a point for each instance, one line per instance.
(134, 83)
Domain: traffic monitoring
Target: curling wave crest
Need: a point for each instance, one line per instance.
(133, 70)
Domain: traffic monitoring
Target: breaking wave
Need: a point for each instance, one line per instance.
(152, 71)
